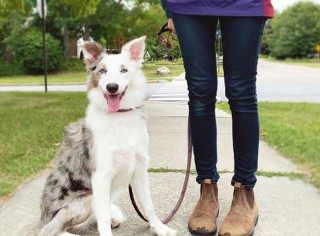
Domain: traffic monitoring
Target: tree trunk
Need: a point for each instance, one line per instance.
(66, 41)
(86, 33)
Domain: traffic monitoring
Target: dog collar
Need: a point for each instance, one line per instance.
(128, 109)
(125, 110)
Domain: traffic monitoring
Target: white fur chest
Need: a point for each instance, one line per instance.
(118, 138)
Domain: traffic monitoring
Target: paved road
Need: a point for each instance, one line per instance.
(275, 82)
(284, 82)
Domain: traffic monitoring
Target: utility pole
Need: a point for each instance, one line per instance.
(42, 9)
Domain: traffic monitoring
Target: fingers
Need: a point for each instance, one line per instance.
(171, 25)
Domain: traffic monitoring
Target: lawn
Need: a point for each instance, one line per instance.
(31, 129)
(150, 70)
(293, 129)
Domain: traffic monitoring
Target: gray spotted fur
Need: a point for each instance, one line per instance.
(67, 192)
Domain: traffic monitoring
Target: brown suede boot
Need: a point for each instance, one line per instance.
(242, 217)
(204, 215)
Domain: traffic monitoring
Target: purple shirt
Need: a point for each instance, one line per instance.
(222, 7)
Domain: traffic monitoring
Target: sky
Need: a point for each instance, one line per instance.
(280, 5)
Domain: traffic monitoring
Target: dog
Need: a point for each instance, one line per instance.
(105, 152)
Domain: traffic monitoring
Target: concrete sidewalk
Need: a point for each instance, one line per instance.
(287, 206)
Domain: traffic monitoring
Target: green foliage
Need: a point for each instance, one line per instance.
(111, 22)
(13, 23)
(156, 50)
(296, 31)
(81, 8)
(30, 52)
(10, 69)
(74, 65)
(264, 47)
(117, 23)
(10, 33)
(6, 6)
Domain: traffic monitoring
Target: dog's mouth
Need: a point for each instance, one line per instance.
(114, 100)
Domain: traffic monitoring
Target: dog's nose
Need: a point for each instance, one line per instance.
(112, 87)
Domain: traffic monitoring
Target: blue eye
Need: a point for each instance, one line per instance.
(103, 71)
(123, 70)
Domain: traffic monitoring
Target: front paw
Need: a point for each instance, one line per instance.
(116, 216)
(105, 234)
(104, 230)
(163, 230)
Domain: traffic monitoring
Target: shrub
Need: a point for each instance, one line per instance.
(10, 68)
(295, 31)
(74, 65)
(30, 52)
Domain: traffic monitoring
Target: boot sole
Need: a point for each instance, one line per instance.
(195, 233)
(249, 234)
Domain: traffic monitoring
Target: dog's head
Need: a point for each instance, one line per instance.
(111, 76)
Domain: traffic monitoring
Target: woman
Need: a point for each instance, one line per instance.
(242, 24)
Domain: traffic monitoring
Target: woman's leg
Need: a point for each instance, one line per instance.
(241, 39)
(196, 36)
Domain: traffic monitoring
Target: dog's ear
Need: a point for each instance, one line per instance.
(135, 49)
(91, 52)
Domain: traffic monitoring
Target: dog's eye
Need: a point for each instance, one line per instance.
(123, 70)
(102, 71)
(93, 68)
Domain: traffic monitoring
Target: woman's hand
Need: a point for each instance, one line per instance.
(171, 25)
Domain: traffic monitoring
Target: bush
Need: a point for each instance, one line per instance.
(296, 31)
(74, 65)
(10, 68)
(30, 52)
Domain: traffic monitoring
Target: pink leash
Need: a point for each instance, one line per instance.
(183, 191)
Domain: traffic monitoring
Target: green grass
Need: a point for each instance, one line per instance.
(293, 129)
(61, 78)
(150, 70)
(31, 129)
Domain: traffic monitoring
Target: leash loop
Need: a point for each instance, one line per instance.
(184, 187)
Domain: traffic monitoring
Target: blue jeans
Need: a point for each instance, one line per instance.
(241, 38)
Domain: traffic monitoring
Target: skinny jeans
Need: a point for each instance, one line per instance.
(241, 37)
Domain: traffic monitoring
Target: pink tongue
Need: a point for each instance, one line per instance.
(114, 102)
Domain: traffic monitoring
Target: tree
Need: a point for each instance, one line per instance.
(6, 6)
(296, 31)
(265, 48)
(68, 16)
(13, 23)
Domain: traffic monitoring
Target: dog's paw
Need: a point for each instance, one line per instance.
(163, 230)
(115, 223)
(116, 216)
